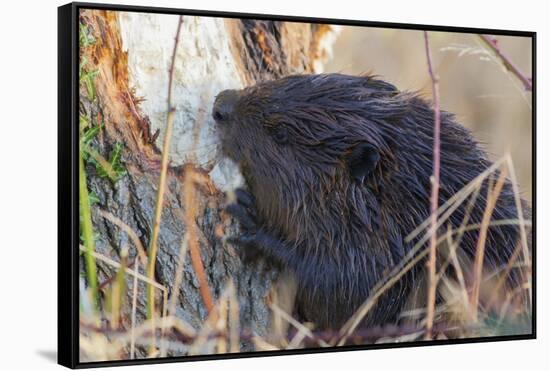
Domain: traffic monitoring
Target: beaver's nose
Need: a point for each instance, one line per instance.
(224, 105)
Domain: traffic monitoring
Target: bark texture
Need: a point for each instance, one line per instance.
(131, 53)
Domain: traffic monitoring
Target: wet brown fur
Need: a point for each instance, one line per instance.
(295, 140)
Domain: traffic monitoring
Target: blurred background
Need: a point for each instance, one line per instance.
(473, 84)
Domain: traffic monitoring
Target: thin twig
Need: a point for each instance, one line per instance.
(178, 278)
(234, 324)
(129, 231)
(457, 267)
(134, 310)
(300, 327)
(432, 281)
(209, 325)
(492, 43)
(118, 289)
(162, 181)
(190, 202)
(504, 276)
(492, 198)
(221, 326)
(117, 265)
(519, 207)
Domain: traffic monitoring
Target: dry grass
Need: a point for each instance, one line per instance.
(479, 307)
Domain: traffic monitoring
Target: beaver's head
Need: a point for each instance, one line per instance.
(308, 129)
(312, 144)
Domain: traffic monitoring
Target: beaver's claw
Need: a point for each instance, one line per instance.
(241, 213)
(254, 241)
(245, 198)
(243, 210)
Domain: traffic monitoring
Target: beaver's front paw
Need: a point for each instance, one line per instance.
(244, 211)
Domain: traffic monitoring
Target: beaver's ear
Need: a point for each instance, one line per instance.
(362, 161)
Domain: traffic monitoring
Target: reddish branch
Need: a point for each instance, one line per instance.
(190, 202)
(432, 278)
(492, 43)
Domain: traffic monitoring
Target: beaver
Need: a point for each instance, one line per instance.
(338, 172)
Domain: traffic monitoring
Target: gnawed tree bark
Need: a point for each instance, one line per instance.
(131, 53)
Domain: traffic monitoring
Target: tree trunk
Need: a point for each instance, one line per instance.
(132, 53)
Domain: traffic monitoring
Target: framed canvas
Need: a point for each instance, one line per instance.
(242, 185)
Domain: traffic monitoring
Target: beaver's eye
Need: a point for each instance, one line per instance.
(280, 135)
(218, 116)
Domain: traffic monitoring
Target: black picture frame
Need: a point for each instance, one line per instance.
(68, 205)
